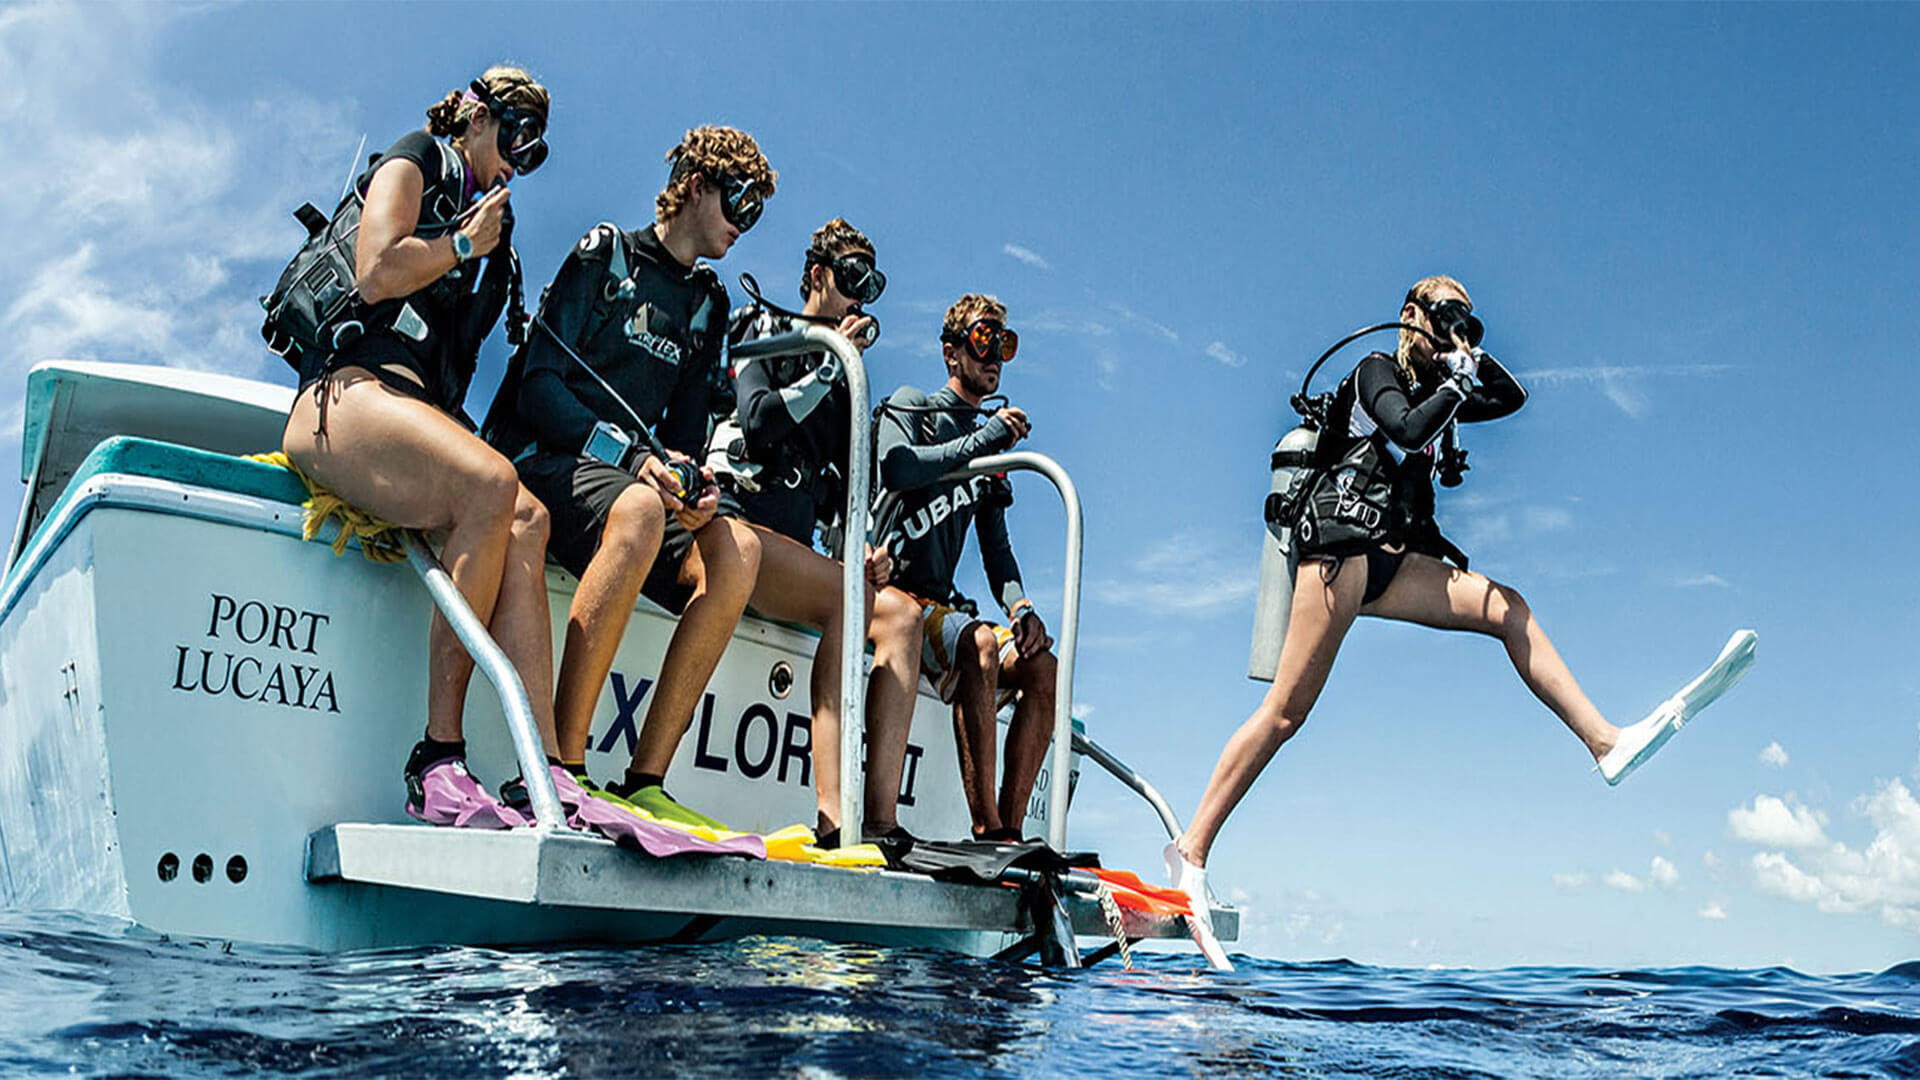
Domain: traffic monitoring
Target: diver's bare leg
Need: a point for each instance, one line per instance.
(1322, 613)
(801, 585)
(897, 633)
(403, 460)
(1431, 593)
(602, 605)
(1030, 733)
(721, 567)
(977, 682)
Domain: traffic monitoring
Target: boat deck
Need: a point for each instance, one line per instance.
(563, 869)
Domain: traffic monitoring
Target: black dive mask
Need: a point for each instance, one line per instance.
(522, 134)
(740, 201)
(1451, 317)
(854, 275)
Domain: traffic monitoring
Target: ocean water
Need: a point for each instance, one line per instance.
(92, 997)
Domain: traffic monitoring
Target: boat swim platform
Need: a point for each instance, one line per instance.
(692, 897)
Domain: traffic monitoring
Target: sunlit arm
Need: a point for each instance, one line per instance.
(389, 260)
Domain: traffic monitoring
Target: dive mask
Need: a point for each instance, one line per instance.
(522, 134)
(740, 200)
(854, 275)
(989, 341)
(1454, 316)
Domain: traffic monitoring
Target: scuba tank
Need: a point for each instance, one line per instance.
(1273, 603)
(1296, 467)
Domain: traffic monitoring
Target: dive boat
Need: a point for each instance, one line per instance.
(203, 719)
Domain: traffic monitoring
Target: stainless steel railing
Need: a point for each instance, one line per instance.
(1061, 765)
(488, 657)
(853, 593)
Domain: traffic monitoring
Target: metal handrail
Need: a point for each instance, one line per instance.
(1131, 777)
(853, 555)
(490, 659)
(1069, 640)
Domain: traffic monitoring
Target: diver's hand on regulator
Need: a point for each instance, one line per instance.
(694, 508)
(483, 226)
(1016, 421)
(1464, 366)
(853, 328)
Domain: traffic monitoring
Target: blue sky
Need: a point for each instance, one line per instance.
(1690, 230)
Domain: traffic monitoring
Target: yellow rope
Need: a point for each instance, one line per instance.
(380, 541)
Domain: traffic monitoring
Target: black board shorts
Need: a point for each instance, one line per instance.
(579, 492)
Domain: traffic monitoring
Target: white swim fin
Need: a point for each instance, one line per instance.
(1192, 880)
(1641, 741)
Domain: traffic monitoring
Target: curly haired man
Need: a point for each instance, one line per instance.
(630, 335)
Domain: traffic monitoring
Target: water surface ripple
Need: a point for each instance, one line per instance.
(94, 998)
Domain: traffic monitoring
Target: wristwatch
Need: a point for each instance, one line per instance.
(462, 247)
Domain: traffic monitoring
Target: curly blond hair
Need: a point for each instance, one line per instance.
(832, 240)
(1422, 294)
(509, 85)
(706, 151)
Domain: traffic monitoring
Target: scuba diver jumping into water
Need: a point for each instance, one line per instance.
(1367, 544)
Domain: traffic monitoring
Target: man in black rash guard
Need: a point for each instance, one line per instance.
(794, 417)
(650, 321)
(916, 629)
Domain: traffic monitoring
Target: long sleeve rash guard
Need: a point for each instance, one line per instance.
(927, 527)
(644, 344)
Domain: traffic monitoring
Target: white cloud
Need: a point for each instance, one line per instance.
(1622, 384)
(1623, 881)
(142, 221)
(1219, 351)
(1546, 519)
(1570, 882)
(1712, 862)
(1776, 874)
(1713, 909)
(1772, 822)
(1883, 877)
(1663, 873)
(1663, 838)
(1159, 328)
(1187, 574)
(1774, 755)
(1063, 322)
(1027, 255)
(1703, 581)
(1081, 710)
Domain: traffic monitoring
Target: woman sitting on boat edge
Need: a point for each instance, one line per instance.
(378, 420)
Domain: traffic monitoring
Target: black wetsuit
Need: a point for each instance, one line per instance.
(926, 527)
(435, 331)
(795, 428)
(1374, 403)
(657, 342)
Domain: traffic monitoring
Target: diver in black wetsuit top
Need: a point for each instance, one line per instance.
(794, 421)
(649, 319)
(380, 421)
(1400, 405)
(917, 627)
